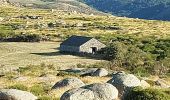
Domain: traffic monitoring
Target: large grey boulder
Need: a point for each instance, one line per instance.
(13, 94)
(78, 94)
(123, 82)
(68, 83)
(97, 91)
(103, 91)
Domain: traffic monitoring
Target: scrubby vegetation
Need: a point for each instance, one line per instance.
(19, 87)
(138, 93)
(141, 56)
(23, 38)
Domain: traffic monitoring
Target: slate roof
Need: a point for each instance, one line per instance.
(76, 41)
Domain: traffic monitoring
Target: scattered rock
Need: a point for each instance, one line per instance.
(89, 71)
(74, 70)
(21, 78)
(144, 84)
(95, 91)
(1, 19)
(123, 82)
(68, 83)
(46, 78)
(100, 72)
(162, 83)
(78, 94)
(13, 94)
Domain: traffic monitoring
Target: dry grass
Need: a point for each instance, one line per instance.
(23, 54)
(50, 81)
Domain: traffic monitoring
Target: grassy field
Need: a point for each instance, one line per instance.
(14, 54)
(22, 54)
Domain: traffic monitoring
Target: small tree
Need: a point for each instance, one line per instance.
(108, 52)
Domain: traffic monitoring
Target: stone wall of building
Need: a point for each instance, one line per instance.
(87, 47)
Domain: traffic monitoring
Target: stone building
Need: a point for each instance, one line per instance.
(81, 44)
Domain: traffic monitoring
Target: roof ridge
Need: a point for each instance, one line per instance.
(75, 40)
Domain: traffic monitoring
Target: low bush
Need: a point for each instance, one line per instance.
(19, 87)
(5, 31)
(138, 93)
(142, 56)
(24, 38)
(39, 89)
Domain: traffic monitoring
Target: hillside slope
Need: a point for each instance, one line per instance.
(145, 9)
(66, 5)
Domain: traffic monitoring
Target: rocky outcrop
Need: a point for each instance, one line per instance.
(13, 94)
(89, 71)
(95, 91)
(68, 83)
(124, 82)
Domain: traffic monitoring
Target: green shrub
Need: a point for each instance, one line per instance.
(38, 90)
(6, 31)
(141, 71)
(108, 52)
(138, 93)
(19, 87)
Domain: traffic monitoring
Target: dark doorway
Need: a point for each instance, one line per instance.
(94, 50)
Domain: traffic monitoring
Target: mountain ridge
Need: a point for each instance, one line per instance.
(66, 5)
(144, 9)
